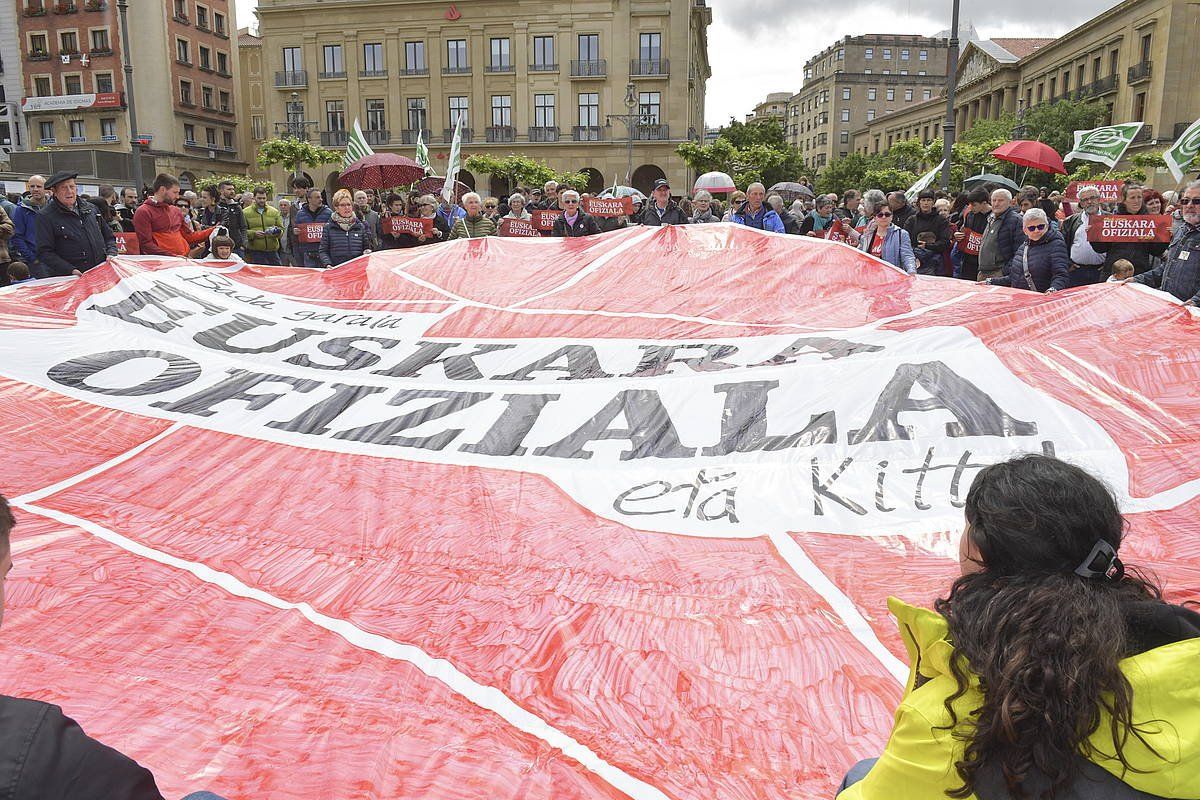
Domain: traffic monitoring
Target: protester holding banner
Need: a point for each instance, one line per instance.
(264, 229)
(1048, 664)
(6, 232)
(1140, 254)
(310, 223)
(662, 210)
(70, 235)
(1041, 262)
(889, 242)
(969, 235)
(791, 223)
(927, 219)
(820, 220)
(1001, 235)
(574, 220)
(702, 211)
(516, 208)
(474, 224)
(24, 239)
(754, 213)
(1085, 261)
(345, 236)
(1179, 273)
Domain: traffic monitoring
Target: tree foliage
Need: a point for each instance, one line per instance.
(747, 153)
(292, 152)
(524, 171)
(241, 183)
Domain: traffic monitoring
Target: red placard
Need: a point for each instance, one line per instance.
(1110, 191)
(543, 220)
(127, 244)
(1130, 228)
(310, 232)
(972, 243)
(413, 226)
(834, 232)
(608, 206)
(518, 227)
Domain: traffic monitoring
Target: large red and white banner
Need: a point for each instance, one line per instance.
(609, 517)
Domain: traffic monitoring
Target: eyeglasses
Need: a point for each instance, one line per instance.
(571, 202)
(1189, 201)
(882, 214)
(1041, 227)
(489, 206)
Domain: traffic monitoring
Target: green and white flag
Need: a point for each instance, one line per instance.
(1106, 144)
(1179, 158)
(423, 152)
(356, 146)
(453, 165)
(924, 182)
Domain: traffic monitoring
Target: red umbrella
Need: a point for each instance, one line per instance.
(1034, 155)
(381, 171)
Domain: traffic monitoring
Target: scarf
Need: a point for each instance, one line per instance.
(820, 223)
(345, 223)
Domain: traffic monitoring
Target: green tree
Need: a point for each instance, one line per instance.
(889, 179)
(292, 153)
(762, 156)
(1055, 123)
(768, 132)
(846, 173)
(241, 183)
(524, 171)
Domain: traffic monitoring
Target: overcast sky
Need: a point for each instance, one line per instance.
(761, 46)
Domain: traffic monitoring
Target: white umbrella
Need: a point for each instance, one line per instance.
(714, 182)
(623, 191)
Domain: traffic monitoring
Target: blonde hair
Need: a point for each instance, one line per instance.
(1122, 266)
(342, 194)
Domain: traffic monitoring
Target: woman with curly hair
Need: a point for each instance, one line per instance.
(1050, 671)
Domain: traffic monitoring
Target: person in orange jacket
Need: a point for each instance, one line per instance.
(160, 226)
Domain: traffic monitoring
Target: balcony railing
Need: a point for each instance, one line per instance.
(186, 103)
(1139, 72)
(95, 5)
(1180, 127)
(589, 69)
(1099, 87)
(182, 19)
(587, 133)
(65, 8)
(332, 75)
(499, 68)
(644, 133)
(644, 68)
(35, 10)
(468, 134)
(501, 133)
(334, 138)
(544, 133)
(459, 70)
(414, 71)
(543, 67)
(377, 136)
(409, 135)
(1146, 134)
(372, 73)
(288, 79)
(100, 51)
(39, 55)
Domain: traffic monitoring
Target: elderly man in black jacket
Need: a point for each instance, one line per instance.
(1002, 236)
(71, 238)
(661, 209)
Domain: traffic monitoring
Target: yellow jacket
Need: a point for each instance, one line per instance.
(918, 762)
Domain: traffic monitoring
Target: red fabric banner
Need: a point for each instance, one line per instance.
(127, 243)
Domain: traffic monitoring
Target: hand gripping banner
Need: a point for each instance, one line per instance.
(607, 517)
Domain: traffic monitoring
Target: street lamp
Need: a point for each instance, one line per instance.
(633, 122)
(951, 85)
(135, 138)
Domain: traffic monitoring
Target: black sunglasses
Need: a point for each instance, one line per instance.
(882, 214)
(1189, 201)
(1040, 227)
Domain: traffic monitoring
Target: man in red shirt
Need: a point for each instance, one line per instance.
(159, 223)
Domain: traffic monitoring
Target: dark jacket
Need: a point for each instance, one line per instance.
(1178, 276)
(235, 221)
(934, 223)
(71, 238)
(902, 215)
(45, 755)
(1136, 253)
(1048, 265)
(306, 215)
(24, 238)
(790, 223)
(1009, 235)
(614, 223)
(585, 225)
(672, 216)
(339, 246)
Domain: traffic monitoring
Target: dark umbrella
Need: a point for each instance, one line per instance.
(790, 190)
(979, 180)
(381, 171)
(434, 185)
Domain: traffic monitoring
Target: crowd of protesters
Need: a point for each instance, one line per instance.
(1036, 240)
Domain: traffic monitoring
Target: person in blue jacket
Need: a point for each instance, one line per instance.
(346, 236)
(1041, 259)
(314, 210)
(24, 217)
(886, 240)
(755, 213)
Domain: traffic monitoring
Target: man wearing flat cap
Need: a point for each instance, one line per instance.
(71, 239)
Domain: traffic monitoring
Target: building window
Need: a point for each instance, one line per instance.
(181, 10)
(926, 94)
(223, 96)
(589, 47)
(1041, 92)
(100, 42)
(872, 93)
(908, 95)
(206, 96)
(185, 92)
(1139, 107)
(1066, 82)
(501, 54)
(78, 132)
(543, 51)
(414, 57)
(205, 58)
(543, 110)
(210, 136)
(418, 115)
(845, 115)
(72, 84)
(335, 115)
(46, 131)
(841, 54)
(844, 137)
(1053, 86)
(222, 63)
(904, 55)
(42, 87)
(292, 60)
(1146, 47)
(456, 55)
(108, 129)
(1113, 57)
(589, 110)
(376, 115)
(333, 64)
(219, 23)
(650, 107)
(258, 126)
(869, 53)
(201, 17)
(870, 114)
(37, 44)
(104, 82)
(923, 55)
(501, 110)
(887, 54)
(1081, 74)
(866, 72)
(460, 109)
(846, 93)
(183, 51)
(650, 47)
(227, 139)
(69, 42)
(891, 95)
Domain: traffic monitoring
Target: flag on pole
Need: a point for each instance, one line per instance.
(923, 182)
(1179, 158)
(1106, 144)
(453, 165)
(423, 152)
(356, 146)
